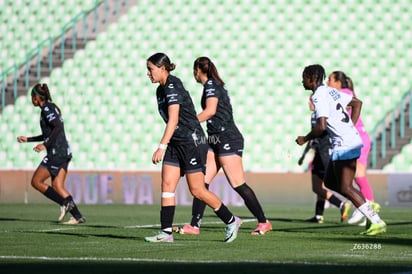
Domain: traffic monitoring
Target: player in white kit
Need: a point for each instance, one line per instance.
(331, 115)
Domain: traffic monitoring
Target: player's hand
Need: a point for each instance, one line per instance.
(39, 147)
(300, 140)
(21, 139)
(158, 156)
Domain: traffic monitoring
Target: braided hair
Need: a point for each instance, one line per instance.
(316, 73)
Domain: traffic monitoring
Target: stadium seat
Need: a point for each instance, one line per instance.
(260, 56)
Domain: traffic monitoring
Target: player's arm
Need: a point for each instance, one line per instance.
(316, 131)
(356, 106)
(305, 151)
(173, 120)
(210, 110)
(23, 139)
(173, 113)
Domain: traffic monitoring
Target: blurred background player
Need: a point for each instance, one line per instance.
(56, 162)
(322, 148)
(331, 115)
(183, 149)
(340, 81)
(225, 146)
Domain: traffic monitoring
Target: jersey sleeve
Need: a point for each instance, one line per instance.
(172, 95)
(211, 90)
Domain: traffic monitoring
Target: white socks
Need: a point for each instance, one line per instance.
(369, 213)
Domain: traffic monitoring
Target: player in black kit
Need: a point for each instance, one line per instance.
(56, 162)
(225, 146)
(183, 149)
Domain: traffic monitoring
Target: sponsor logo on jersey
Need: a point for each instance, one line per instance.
(214, 139)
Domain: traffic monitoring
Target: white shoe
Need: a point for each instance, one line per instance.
(74, 221)
(357, 216)
(62, 213)
(363, 223)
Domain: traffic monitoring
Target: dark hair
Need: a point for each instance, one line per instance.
(160, 59)
(42, 90)
(206, 66)
(346, 81)
(315, 72)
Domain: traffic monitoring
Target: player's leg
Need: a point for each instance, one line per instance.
(233, 168)
(198, 206)
(345, 170)
(40, 175)
(195, 181)
(320, 192)
(170, 179)
(58, 181)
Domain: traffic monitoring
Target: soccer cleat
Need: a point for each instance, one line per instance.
(74, 221)
(315, 219)
(232, 230)
(344, 210)
(64, 209)
(62, 213)
(375, 229)
(187, 229)
(262, 228)
(356, 217)
(160, 237)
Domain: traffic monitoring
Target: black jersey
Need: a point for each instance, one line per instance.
(321, 143)
(223, 118)
(188, 128)
(53, 134)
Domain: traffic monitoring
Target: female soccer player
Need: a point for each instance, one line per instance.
(331, 115)
(321, 146)
(183, 148)
(225, 146)
(55, 164)
(343, 83)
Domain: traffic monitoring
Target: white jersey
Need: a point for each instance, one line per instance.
(332, 104)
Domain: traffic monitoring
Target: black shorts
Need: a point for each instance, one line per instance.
(53, 165)
(320, 162)
(190, 158)
(226, 144)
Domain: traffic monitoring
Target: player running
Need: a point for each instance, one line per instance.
(331, 115)
(56, 162)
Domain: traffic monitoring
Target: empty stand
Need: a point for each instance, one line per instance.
(260, 49)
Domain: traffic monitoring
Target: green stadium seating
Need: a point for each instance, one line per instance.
(22, 20)
(260, 48)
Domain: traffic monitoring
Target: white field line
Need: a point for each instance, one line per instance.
(74, 227)
(178, 224)
(128, 259)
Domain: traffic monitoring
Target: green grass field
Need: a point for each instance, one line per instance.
(112, 242)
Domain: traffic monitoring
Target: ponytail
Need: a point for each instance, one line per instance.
(207, 67)
(42, 90)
